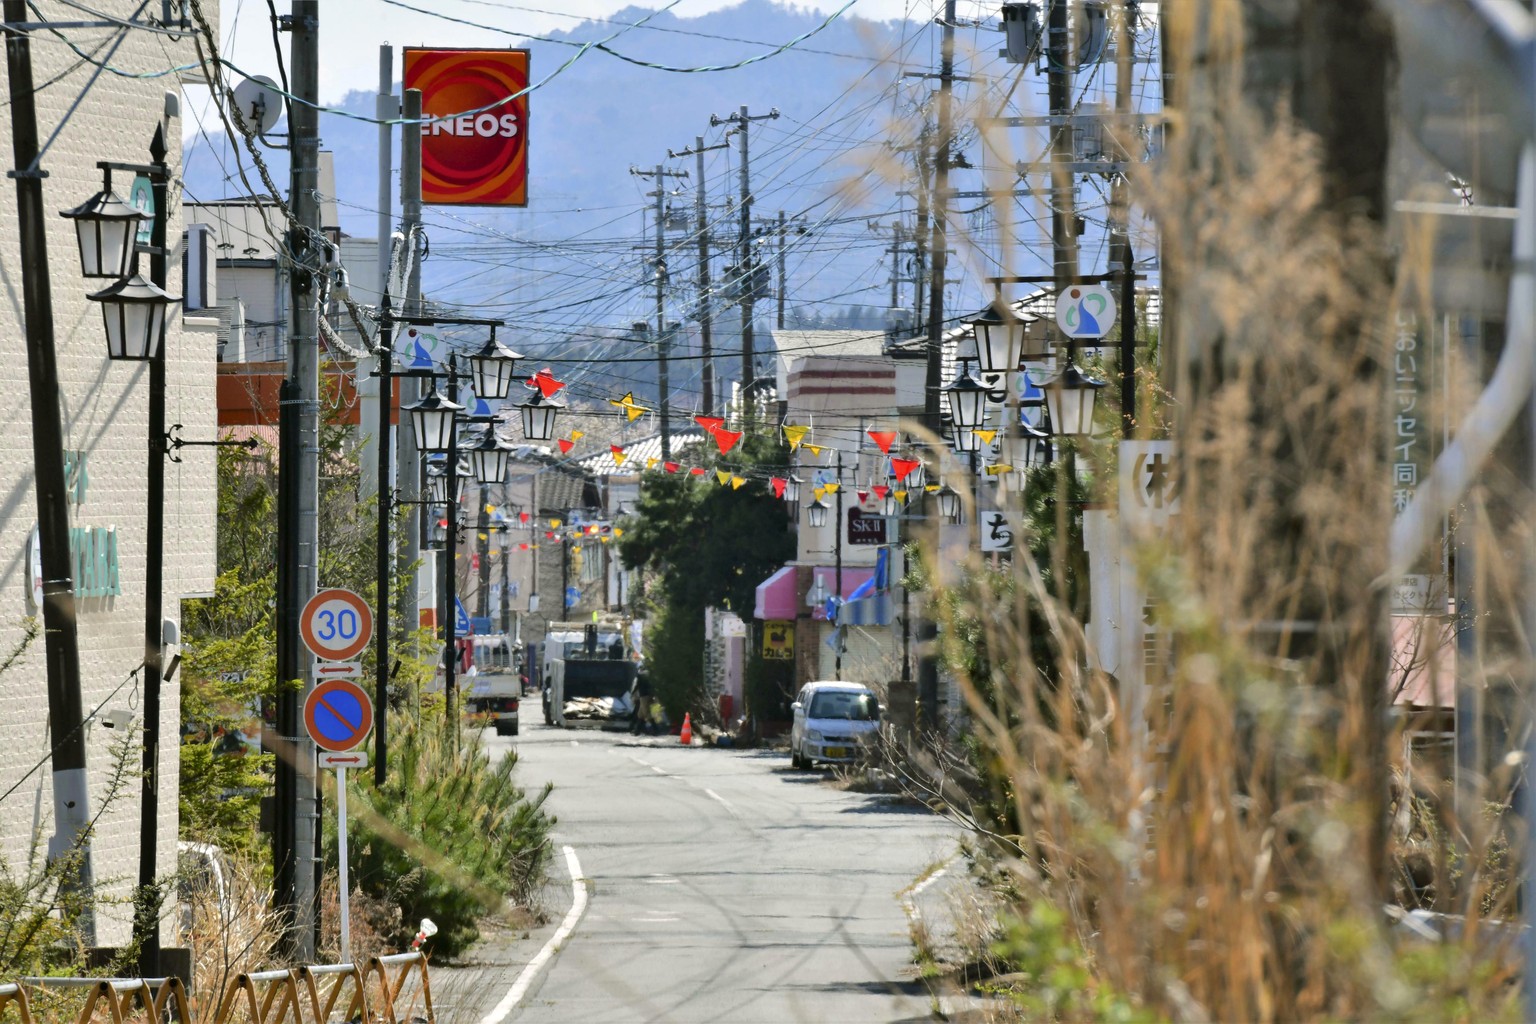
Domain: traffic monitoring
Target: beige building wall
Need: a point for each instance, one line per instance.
(104, 409)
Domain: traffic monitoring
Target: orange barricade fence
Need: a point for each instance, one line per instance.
(304, 995)
(15, 995)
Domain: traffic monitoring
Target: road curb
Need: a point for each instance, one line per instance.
(530, 973)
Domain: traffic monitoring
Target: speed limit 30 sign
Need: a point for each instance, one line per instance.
(336, 625)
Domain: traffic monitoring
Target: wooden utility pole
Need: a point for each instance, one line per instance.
(746, 260)
(701, 229)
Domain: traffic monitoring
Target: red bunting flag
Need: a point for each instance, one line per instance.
(549, 534)
(904, 467)
(726, 439)
(545, 381)
(696, 471)
(671, 467)
(863, 496)
(522, 517)
(522, 547)
(883, 438)
(709, 423)
(566, 444)
(778, 484)
(881, 491)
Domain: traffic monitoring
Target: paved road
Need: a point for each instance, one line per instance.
(724, 886)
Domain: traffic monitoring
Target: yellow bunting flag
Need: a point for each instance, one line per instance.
(577, 435)
(794, 434)
(900, 495)
(651, 463)
(619, 454)
(1001, 467)
(932, 488)
(831, 488)
(820, 492)
(723, 476)
(814, 449)
(631, 409)
(618, 531)
(987, 436)
(737, 481)
(554, 524)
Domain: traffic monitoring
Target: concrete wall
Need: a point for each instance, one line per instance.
(104, 418)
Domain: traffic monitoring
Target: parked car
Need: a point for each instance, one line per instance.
(833, 723)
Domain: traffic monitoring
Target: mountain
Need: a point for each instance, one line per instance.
(574, 269)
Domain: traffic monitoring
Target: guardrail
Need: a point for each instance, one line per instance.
(310, 994)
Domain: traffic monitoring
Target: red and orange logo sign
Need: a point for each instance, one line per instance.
(477, 155)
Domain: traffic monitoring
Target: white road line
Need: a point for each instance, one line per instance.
(658, 771)
(716, 796)
(520, 987)
(575, 744)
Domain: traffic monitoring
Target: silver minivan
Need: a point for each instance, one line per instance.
(833, 723)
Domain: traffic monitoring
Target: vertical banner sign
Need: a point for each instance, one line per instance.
(477, 154)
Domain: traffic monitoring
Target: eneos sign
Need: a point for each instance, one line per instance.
(477, 155)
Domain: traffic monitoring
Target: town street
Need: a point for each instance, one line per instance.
(724, 886)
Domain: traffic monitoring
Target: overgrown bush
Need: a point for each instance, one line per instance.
(450, 837)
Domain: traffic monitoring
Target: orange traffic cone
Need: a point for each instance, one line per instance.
(686, 736)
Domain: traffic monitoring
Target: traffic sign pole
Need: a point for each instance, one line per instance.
(341, 859)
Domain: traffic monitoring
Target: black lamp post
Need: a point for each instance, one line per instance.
(492, 368)
(792, 490)
(816, 513)
(133, 312)
(949, 503)
(967, 400)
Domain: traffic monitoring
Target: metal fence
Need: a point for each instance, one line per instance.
(312, 994)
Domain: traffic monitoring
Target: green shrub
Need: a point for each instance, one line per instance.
(448, 837)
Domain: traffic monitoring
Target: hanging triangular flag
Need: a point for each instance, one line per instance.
(651, 463)
(723, 476)
(522, 517)
(820, 492)
(554, 524)
(726, 439)
(863, 496)
(1001, 467)
(881, 491)
(903, 467)
(932, 488)
(883, 438)
(545, 381)
(831, 488)
(671, 467)
(630, 407)
(794, 433)
(522, 547)
(566, 444)
(778, 483)
(577, 435)
(901, 496)
(617, 453)
(814, 449)
(618, 531)
(987, 436)
(709, 423)
(696, 471)
(737, 481)
(549, 534)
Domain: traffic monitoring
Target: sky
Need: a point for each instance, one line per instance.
(351, 31)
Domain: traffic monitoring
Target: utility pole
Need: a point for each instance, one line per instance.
(783, 276)
(1059, 51)
(663, 339)
(294, 840)
(71, 792)
(746, 266)
(927, 629)
(385, 109)
(1121, 256)
(701, 232)
(410, 387)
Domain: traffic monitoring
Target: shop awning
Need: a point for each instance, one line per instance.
(776, 596)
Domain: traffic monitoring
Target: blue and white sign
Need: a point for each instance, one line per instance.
(572, 595)
(420, 348)
(141, 196)
(1085, 311)
(461, 624)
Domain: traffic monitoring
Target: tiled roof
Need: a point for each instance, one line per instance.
(638, 453)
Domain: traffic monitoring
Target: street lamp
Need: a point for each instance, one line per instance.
(489, 458)
(539, 416)
(432, 419)
(491, 368)
(966, 442)
(133, 310)
(949, 503)
(1037, 444)
(106, 227)
(437, 485)
(792, 490)
(816, 513)
(967, 400)
(1069, 398)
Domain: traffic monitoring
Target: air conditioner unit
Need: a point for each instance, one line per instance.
(199, 268)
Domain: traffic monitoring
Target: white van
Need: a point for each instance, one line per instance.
(833, 722)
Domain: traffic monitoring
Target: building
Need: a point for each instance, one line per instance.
(105, 423)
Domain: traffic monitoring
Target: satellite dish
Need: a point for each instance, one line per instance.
(260, 103)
